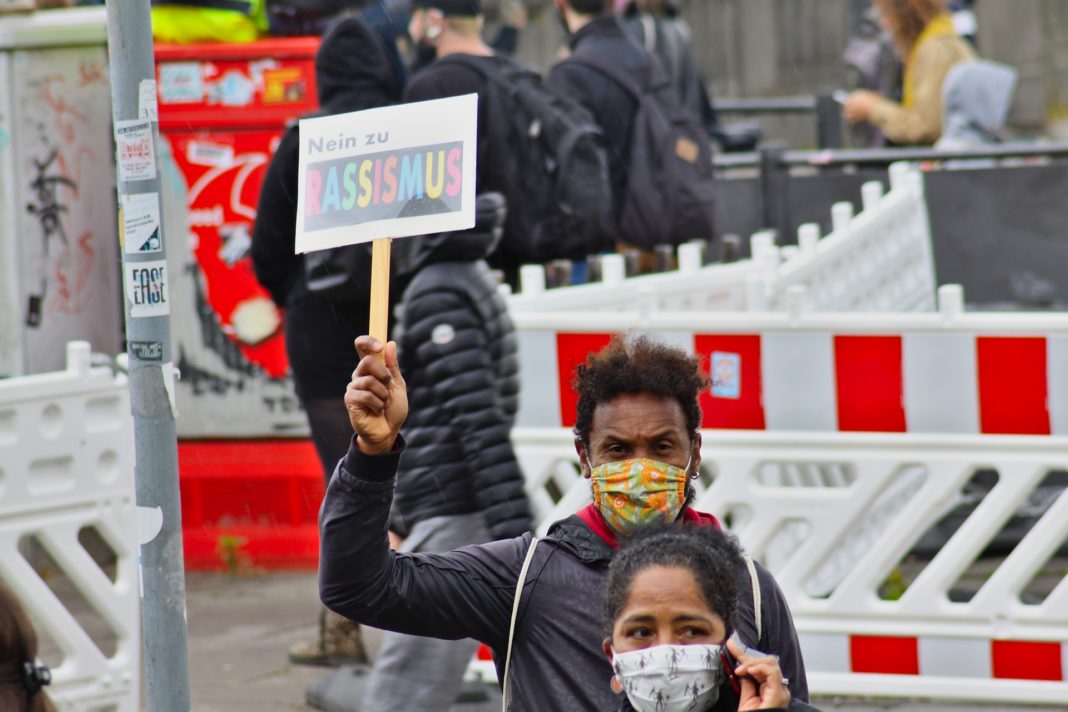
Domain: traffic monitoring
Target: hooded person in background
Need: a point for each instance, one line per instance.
(927, 41)
(353, 73)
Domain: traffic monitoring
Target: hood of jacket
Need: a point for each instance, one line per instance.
(471, 245)
(353, 71)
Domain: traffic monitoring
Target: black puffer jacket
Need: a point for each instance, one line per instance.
(458, 353)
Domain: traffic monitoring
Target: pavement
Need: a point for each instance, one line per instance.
(240, 628)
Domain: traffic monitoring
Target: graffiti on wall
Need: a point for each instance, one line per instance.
(62, 156)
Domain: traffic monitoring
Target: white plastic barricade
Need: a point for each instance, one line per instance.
(808, 502)
(878, 260)
(947, 372)
(66, 490)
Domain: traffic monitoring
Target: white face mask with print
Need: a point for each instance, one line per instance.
(670, 678)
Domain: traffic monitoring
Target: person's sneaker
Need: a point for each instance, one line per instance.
(339, 644)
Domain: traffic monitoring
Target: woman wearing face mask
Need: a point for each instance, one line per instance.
(671, 606)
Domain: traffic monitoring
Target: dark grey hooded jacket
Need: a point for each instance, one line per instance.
(459, 355)
(557, 661)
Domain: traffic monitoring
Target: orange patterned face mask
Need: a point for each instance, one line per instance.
(631, 493)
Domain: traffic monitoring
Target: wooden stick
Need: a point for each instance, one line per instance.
(379, 323)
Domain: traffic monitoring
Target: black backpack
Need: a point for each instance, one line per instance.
(340, 274)
(548, 157)
(670, 186)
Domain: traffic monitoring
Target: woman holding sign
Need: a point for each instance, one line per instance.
(325, 294)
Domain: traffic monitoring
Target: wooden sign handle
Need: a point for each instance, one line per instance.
(379, 322)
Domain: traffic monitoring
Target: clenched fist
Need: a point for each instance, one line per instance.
(377, 399)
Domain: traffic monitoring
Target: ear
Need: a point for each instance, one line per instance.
(697, 452)
(606, 646)
(584, 460)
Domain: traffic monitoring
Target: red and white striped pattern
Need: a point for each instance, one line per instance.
(962, 658)
(926, 381)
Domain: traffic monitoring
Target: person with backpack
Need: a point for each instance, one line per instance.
(659, 27)
(544, 154)
(325, 294)
(460, 482)
(659, 154)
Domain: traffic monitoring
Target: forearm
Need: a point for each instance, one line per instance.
(355, 561)
(906, 126)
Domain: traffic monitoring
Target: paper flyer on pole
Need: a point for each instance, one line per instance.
(391, 172)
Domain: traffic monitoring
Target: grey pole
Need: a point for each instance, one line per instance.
(147, 312)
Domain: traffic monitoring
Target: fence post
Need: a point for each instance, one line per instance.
(828, 122)
(773, 188)
(152, 374)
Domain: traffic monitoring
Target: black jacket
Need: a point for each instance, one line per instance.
(612, 105)
(444, 79)
(668, 37)
(459, 356)
(353, 73)
(557, 661)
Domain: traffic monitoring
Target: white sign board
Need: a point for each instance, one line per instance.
(391, 172)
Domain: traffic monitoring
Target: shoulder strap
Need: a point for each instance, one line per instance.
(757, 612)
(469, 61)
(648, 32)
(620, 78)
(515, 614)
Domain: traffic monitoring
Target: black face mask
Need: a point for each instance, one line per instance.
(422, 55)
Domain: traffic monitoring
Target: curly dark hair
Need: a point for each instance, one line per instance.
(712, 556)
(638, 364)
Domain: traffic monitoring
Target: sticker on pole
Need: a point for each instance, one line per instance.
(141, 223)
(391, 172)
(136, 152)
(146, 288)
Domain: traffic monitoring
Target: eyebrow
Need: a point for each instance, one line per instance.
(668, 433)
(682, 618)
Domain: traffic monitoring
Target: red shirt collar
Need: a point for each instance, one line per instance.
(593, 519)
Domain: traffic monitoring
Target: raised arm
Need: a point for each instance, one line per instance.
(464, 593)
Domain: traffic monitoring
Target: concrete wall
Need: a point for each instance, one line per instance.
(782, 47)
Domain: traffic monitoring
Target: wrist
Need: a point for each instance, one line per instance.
(375, 447)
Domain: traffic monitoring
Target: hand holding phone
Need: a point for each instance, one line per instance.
(757, 678)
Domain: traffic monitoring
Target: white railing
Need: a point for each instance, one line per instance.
(836, 515)
(67, 501)
(878, 260)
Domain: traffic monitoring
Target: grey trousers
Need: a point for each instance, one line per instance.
(415, 674)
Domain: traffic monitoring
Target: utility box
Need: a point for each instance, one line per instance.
(59, 259)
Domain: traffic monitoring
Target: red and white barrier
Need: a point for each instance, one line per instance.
(878, 260)
(66, 469)
(947, 372)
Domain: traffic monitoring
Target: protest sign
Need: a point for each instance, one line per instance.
(386, 173)
(391, 172)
